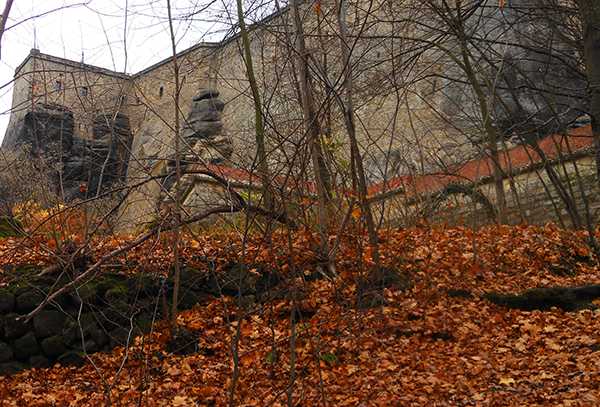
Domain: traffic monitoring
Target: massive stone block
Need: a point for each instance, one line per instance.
(107, 162)
(207, 110)
(47, 132)
(200, 130)
(46, 129)
(203, 137)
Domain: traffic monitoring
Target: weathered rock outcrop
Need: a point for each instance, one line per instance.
(99, 162)
(47, 129)
(566, 298)
(98, 315)
(202, 130)
(86, 165)
(93, 317)
(202, 136)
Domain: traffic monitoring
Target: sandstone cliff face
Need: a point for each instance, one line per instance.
(47, 130)
(73, 119)
(202, 143)
(85, 166)
(416, 110)
(527, 61)
(202, 138)
(102, 161)
(203, 129)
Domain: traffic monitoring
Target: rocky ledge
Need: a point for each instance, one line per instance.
(108, 311)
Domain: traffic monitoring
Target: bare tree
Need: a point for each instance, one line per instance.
(3, 18)
(590, 19)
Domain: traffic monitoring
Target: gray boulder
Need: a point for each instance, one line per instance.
(205, 94)
(100, 337)
(12, 368)
(120, 337)
(28, 301)
(72, 358)
(200, 130)
(53, 347)
(208, 110)
(25, 347)
(40, 362)
(48, 323)
(5, 352)
(7, 301)
(13, 327)
(88, 346)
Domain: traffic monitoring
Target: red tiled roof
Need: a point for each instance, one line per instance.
(237, 175)
(515, 158)
(232, 174)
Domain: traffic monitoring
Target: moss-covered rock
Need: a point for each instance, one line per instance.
(12, 368)
(119, 314)
(88, 323)
(72, 358)
(48, 323)
(235, 280)
(25, 347)
(28, 301)
(53, 347)
(10, 227)
(116, 294)
(25, 270)
(100, 337)
(71, 333)
(122, 337)
(538, 298)
(189, 299)
(13, 327)
(145, 323)
(193, 278)
(84, 295)
(110, 304)
(144, 285)
(87, 346)
(110, 286)
(40, 362)
(5, 352)
(7, 301)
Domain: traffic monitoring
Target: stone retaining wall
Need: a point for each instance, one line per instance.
(108, 311)
(531, 198)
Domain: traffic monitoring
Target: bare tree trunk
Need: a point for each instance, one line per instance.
(177, 207)
(590, 19)
(357, 170)
(311, 126)
(258, 118)
(485, 115)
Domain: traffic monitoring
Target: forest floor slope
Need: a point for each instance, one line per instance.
(438, 342)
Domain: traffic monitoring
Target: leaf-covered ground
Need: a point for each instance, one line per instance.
(419, 347)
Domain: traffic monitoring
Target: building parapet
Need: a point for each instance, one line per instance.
(35, 53)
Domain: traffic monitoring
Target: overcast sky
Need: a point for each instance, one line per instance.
(122, 35)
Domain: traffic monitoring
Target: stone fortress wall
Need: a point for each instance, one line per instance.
(466, 196)
(74, 114)
(415, 113)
